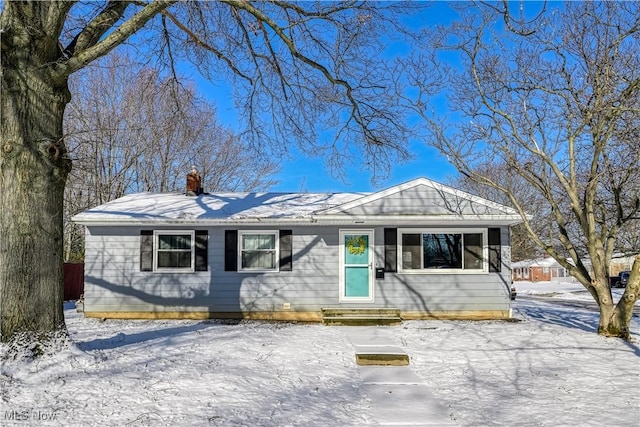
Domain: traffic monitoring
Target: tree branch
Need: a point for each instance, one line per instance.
(199, 42)
(89, 47)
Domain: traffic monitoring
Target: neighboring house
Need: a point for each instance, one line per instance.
(548, 269)
(620, 263)
(423, 248)
(538, 270)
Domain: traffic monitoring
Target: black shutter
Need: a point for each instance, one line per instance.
(230, 250)
(391, 250)
(202, 250)
(495, 252)
(286, 252)
(146, 250)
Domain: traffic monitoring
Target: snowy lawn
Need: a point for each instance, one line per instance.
(547, 369)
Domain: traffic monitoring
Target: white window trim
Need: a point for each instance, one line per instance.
(277, 248)
(485, 250)
(156, 246)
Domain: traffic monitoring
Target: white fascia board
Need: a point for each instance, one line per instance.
(380, 220)
(193, 222)
(396, 220)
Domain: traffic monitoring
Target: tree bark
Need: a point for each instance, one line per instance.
(33, 169)
(615, 322)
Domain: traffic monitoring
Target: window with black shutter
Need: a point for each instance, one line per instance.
(258, 250)
(173, 250)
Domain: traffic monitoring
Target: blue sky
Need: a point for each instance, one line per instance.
(304, 173)
(307, 174)
(311, 174)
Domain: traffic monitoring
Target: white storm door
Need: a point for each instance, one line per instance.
(356, 265)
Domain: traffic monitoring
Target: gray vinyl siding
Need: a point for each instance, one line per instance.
(114, 282)
(423, 200)
(444, 292)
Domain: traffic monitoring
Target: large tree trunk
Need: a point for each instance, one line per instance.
(33, 170)
(615, 318)
(616, 321)
(611, 324)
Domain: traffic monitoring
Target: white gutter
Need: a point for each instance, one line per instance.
(422, 219)
(112, 222)
(381, 220)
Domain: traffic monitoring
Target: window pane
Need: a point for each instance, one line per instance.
(258, 251)
(184, 259)
(411, 251)
(258, 241)
(174, 251)
(174, 259)
(442, 250)
(356, 249)
(259, 259)
(473, 251)
(166, 241)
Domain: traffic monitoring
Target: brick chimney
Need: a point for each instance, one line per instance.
(194, 183)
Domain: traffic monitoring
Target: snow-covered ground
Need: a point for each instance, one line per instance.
(549, 368)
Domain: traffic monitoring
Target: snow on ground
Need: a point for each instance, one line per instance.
(549, 368)
(564, 290)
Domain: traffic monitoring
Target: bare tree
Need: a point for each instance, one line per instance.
(555, 104)
(522, 247)
(130, 130)
(145, 134)
(299, 70)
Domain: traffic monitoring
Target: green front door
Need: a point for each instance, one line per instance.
(356, 266)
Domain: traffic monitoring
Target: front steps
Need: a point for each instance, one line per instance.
(381, 355)
(361, 316)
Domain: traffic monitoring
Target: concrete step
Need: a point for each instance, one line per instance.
(361, 316)
(381, 356)
(361, 320)
(357, 311)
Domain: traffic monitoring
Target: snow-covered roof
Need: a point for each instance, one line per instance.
(420, 201)
(221, 207)
(540, 262)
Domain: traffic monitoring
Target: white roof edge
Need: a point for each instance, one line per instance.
(536, 262)
(419, 219)
(191, 221)
(411, 184)
(389, 220)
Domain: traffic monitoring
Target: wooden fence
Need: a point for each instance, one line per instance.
(73, 274)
